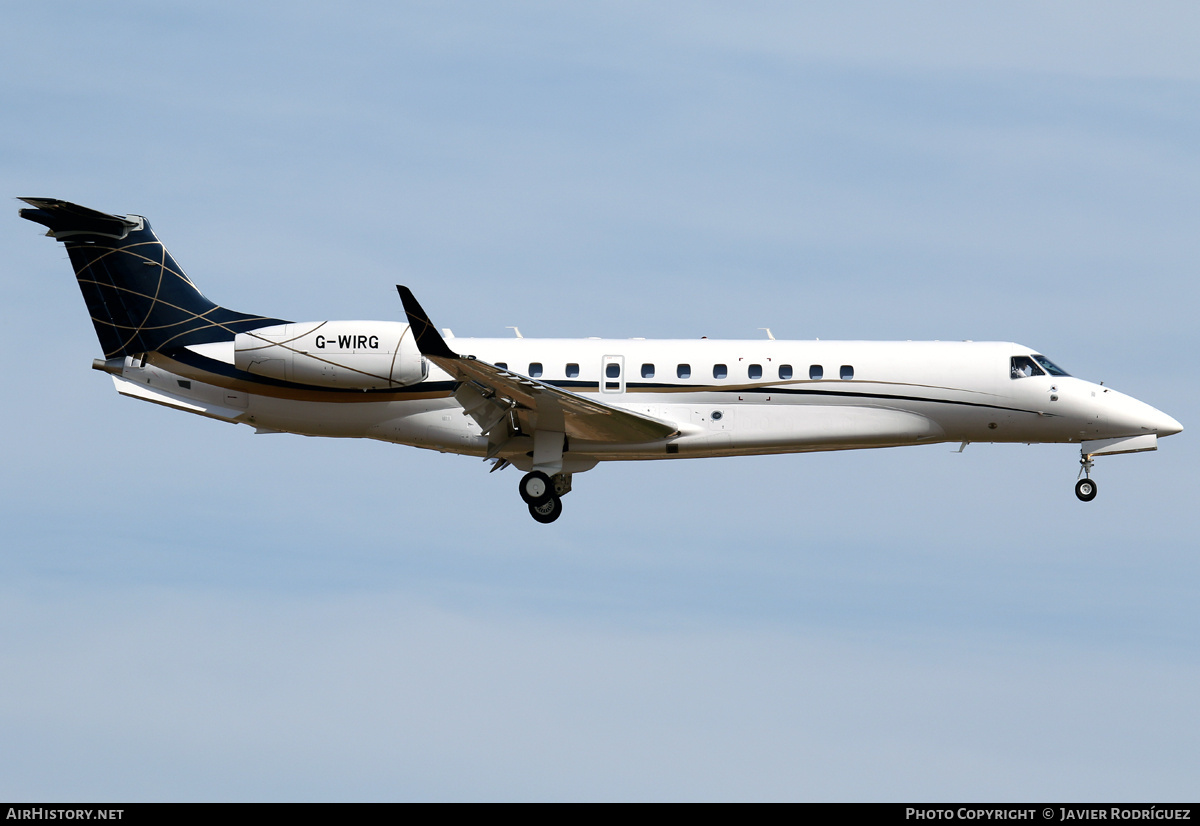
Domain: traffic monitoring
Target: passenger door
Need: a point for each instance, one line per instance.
(612, 374)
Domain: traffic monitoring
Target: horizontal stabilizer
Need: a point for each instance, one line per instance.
(136, 390)
(63, 218)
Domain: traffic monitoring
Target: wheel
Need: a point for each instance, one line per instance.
(1085, 489)
(548, 511)
(536, 488)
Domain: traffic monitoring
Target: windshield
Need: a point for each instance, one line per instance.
(1051, 368)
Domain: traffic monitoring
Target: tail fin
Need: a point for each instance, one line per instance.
(140, 300)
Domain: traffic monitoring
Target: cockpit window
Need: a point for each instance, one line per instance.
(1023, 367)
(1051, 368)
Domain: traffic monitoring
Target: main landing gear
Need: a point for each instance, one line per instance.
(1085, 488)
(543, 494)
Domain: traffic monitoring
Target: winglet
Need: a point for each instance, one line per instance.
(429, 340)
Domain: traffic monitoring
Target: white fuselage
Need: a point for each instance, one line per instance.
(725, 397)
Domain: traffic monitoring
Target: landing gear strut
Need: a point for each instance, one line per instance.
(543, 494)
(1085, 488)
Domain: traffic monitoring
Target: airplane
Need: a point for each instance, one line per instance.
(556, 407)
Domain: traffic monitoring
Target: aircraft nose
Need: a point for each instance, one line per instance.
(1164, 425)
(1130, 415)
(1146, 418)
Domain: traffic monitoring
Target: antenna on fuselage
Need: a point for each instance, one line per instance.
(768, 329)
(515, 330)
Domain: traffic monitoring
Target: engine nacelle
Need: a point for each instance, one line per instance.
(363, 355)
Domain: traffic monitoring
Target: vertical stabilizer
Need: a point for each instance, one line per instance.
(140, 300)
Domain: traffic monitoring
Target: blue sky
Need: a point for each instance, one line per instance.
(192, 612)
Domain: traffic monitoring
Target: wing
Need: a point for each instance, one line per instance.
(491, 395)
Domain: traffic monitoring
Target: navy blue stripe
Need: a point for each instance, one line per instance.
(795, 391)
(791, 391)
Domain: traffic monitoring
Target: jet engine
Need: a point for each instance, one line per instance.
(359, 355)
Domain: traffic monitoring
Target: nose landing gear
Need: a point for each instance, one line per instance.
(1085, 488)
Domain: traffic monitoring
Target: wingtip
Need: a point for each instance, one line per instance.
(429, 340)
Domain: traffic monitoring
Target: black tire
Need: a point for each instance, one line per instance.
(1085, 489)
(548, 511)
(536, 488)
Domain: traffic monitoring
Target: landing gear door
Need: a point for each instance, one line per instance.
(612, 374)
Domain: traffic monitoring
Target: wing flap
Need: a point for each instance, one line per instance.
(558, 409)
(490, 393)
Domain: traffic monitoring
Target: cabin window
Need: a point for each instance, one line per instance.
(647, 371)
(755, 371)
(847, 372)
(613, 370)
(503, 365)
(720, 371)
(683, 371)
(572, 371)
(535, 369)
(816, 372)
(785, 371)
(1022, 367)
